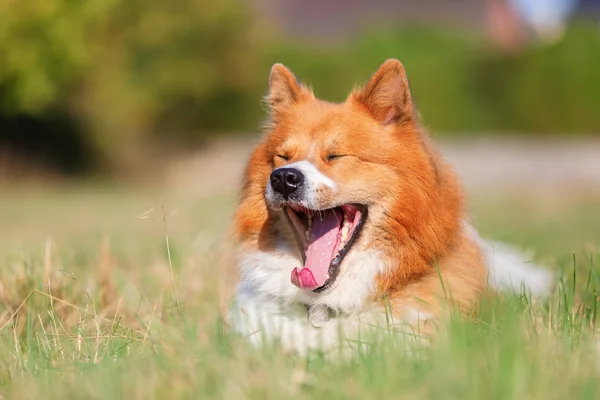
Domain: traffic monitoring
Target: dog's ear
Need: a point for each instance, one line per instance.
(387, 96)
(284, 91)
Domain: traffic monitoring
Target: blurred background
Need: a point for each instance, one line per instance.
(166, 96)
(116, 88)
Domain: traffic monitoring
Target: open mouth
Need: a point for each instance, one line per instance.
(324, 238)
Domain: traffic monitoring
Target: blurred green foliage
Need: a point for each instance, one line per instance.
(549, 89)
(132, 73)
(126, 69)
(463, 85)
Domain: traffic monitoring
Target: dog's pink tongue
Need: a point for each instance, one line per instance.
(323, 239)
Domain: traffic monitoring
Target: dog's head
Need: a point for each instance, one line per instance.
(333, 179)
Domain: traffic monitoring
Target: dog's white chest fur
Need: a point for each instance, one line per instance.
(268, 308)
(297, 327)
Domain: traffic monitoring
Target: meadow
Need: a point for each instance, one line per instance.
(116, 292)
(119, 290)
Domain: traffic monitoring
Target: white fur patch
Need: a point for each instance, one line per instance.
(314, 180)
(269, 193)
(269, 308)
(312, 176)
(269, 273)
(265, 320)
(354, 282)
(511, 269)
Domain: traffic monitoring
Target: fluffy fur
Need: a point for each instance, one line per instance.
(416, 253)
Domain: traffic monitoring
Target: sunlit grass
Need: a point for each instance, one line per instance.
(89, 309)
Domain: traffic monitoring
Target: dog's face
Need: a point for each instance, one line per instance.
(342, 176)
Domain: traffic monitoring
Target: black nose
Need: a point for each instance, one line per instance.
(286, 181)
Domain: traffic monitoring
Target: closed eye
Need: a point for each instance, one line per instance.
(332, 157)
(286, 158)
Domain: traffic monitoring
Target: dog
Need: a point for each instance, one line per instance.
(350, 219)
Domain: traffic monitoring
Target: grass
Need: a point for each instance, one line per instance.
(94, 304)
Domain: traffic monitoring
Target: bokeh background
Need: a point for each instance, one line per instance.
(124, 129)
(117, 88)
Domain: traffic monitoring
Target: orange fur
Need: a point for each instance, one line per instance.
(415, 202)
